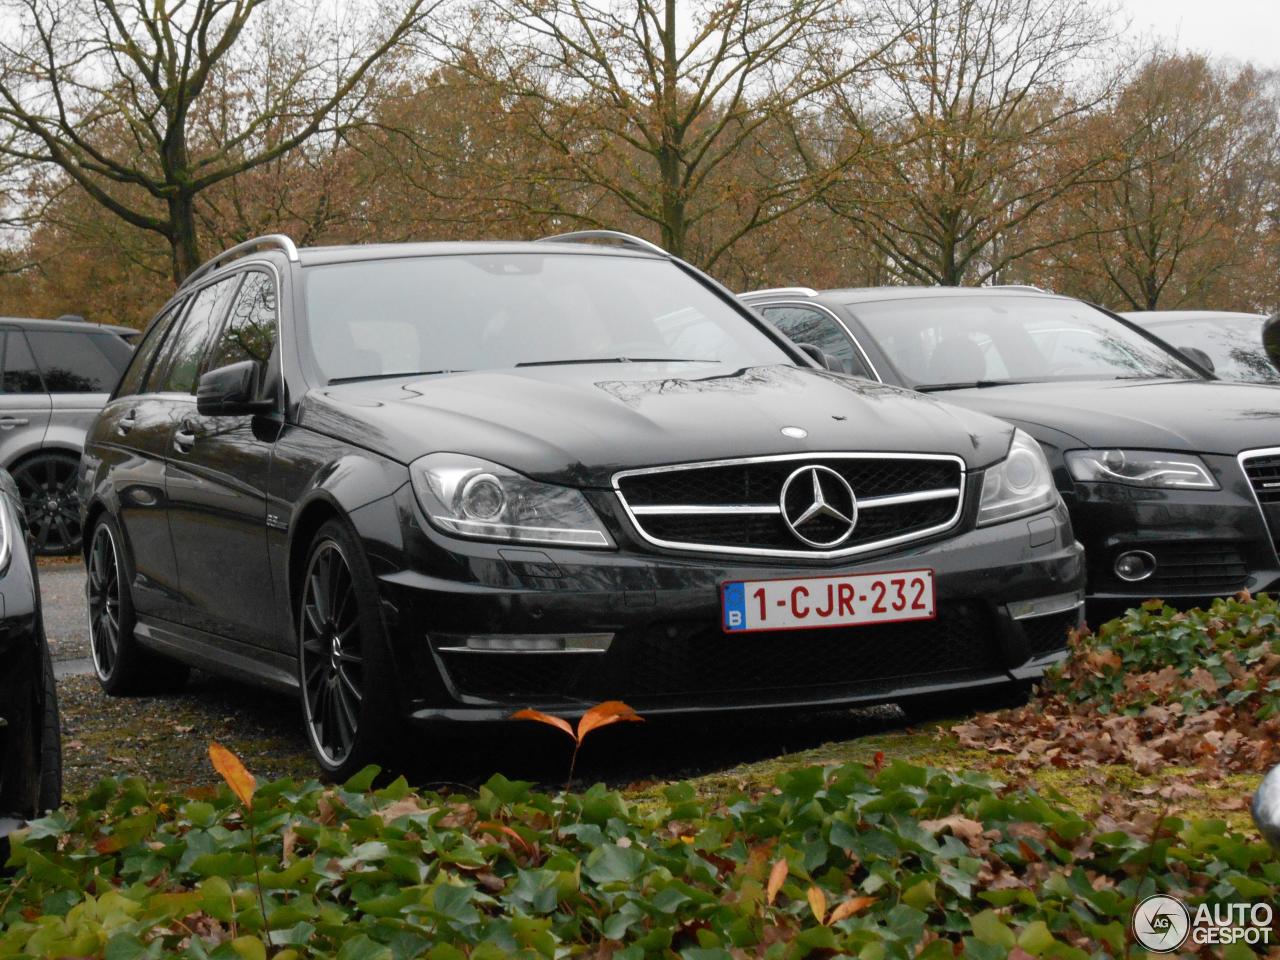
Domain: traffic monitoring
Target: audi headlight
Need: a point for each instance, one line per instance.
(1141, 468)
(1018, 485)
(470, 497)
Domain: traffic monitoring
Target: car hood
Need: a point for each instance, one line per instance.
(1202, 416)
(579, 424)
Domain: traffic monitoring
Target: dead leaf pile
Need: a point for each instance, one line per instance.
(1152, 689)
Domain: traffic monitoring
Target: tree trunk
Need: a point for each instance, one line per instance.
(182, 236)
(670, 178)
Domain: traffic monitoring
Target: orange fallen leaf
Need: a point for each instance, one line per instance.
(777, 877)
(818, 904)
(233, 771)
(537, 715)
(851, 907)
(603, 714)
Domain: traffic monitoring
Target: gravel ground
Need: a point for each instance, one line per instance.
(166, 738)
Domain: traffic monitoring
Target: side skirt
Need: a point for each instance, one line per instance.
(228, 658)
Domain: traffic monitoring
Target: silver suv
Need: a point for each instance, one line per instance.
(55, 375)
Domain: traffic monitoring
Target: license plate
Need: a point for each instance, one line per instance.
(809, 602)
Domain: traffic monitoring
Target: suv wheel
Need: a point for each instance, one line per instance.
(123, 668)
(347, 696)
(47, 483)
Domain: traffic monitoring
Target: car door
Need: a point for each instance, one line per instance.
(812, 325)
(80, 369)
(217, 483)
(24, 404)
(129, 438)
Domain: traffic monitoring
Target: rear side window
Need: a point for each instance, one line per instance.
(20, 373)
(78, 362)
(135, 377)
(188, 345)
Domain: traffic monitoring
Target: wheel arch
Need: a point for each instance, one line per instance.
(314, 513)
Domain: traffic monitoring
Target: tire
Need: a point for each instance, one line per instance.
(344, 667)
(49, 796)
(123, 668)
(47, 484)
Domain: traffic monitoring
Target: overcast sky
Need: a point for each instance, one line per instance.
(1243, 29)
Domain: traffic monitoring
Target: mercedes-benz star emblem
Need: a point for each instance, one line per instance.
(821, 510)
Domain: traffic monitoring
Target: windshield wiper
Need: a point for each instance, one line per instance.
(966, 385)
(554, 363)
(388, 376)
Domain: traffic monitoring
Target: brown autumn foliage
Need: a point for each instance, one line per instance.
(1154, 689)
(820, 142)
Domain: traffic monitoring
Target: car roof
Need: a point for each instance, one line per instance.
(72, 326)
(1157, 317)
(314, 256)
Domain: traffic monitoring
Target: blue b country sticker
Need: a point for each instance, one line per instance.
(735, 606)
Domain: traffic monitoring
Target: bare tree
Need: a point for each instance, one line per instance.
(646, 104)
(975, 128)
(1194, 190)
(147, 105)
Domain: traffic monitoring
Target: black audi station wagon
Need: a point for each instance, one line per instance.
(439, 482)
(1172, 476)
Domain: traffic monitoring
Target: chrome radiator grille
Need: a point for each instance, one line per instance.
(800, 505)
(1262, 467)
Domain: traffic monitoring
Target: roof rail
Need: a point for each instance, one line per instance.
(779, 291)
(622, 239)
(1018, 286)
(276, 240)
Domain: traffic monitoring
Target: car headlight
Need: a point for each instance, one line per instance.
(1018, 485)
(471, 497)
(1141, 468)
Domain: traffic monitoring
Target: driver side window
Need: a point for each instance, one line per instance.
(806, 325)
(250, 329)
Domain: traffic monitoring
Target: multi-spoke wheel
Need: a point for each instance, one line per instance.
(103, 589)
(122, 666)
(47, 483)
(340, 642)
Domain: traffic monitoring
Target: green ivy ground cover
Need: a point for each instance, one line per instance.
(911, 861)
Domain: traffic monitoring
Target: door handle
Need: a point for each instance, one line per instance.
(8, 423)
(185, 438)
(127, 423)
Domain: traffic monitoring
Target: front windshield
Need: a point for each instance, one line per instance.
(376, 318)
(1234, 344)
(938, 341)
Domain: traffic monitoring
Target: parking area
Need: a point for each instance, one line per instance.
(167, 738)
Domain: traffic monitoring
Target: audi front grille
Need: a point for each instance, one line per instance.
(815, 505)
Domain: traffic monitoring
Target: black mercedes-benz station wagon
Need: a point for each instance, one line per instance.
(1172, 477)
(443, 481)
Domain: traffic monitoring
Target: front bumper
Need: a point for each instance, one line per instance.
(1205, 544)
(668, 654)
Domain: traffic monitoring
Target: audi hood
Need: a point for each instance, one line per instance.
(579, 424)
(1196, 416)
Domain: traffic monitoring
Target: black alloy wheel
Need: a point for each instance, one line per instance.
(104, 594)
(123, 668)
(47, 484)
(331, 655)
(349, 696)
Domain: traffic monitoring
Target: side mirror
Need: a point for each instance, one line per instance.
(818, 356)
(1271, 340)
(1197, 356)
(231, 391)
